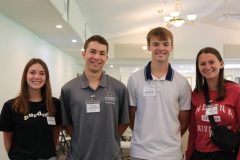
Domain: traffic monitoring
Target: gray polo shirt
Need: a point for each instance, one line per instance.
(95, 129)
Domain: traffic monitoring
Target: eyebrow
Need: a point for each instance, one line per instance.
(161, 41)
(35, 70)
(92, 49)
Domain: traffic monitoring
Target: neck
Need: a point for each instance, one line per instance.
(159, 69)
(35, 95)
(93, 78)
(212, 84)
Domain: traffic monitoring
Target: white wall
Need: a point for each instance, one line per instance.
(188, 40)
(17, 46)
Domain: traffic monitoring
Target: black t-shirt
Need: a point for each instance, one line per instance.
(32, 135)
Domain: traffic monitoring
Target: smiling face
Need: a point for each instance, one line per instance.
(36, 77)
(95, 56)
(159, 49)
(209, 66)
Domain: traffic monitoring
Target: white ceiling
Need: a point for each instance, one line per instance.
(41, 17)
(114, 18)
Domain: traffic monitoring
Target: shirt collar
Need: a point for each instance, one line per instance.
(84, 82)
(148, 74)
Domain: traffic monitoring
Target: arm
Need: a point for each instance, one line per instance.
(122, 128)
(132, 111)
(192, 135)
(184, 117)
(68, 129)
(56, 132)
(66, 113)
(237, 110)
(7, 137)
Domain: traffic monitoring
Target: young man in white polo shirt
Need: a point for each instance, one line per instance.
(160, 102)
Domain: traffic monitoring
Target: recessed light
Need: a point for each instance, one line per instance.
(82, 49)
(136, 69)
(144, 48)
(74, 41)
(59, 26)
(111, 66)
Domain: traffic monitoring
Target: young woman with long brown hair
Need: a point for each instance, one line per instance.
(31, 121)
(225, 107)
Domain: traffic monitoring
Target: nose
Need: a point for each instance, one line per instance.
(208, 65)
(37, 75)
(97, 56)
(161, 46)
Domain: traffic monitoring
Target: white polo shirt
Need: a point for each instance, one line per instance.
(157, 133)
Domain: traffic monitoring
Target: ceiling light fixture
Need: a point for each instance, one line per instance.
(175, 20)
(74, 41)
(59, 26)
(144, 48)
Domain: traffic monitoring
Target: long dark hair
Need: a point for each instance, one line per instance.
(201, 81)
(21, 102)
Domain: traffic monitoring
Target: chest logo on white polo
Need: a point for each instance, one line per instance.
(149, 91)
(110, 98)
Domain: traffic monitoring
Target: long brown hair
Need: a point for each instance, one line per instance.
(201, 81)
(21, 102)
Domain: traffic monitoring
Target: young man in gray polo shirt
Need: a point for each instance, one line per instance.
(160, 100)
(94, 107)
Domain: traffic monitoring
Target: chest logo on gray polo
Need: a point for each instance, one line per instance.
(110, 98)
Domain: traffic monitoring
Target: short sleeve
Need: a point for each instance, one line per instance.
(185, 96)
(237, 109)
(132, 94)
(58, 116)
(123, 106)
(192, 134)
(6, 117)
(65, 108)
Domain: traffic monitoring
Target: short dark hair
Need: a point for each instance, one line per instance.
(201, 81)
(96, 38)
(161, 33)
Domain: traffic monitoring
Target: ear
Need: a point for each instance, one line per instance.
(222, 64)
(83, 54)
(148, 47)
(172, 48)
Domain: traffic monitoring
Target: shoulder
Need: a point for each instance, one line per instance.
(179, 76)
(140, 72)
(196, 94)
(56, 101)
(138, 75)
(232, 86)
(115, 82)
(180, 80)
(71, 83)
(8, 105)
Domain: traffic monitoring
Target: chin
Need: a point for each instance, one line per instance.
(95, 70)
(210, 77)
